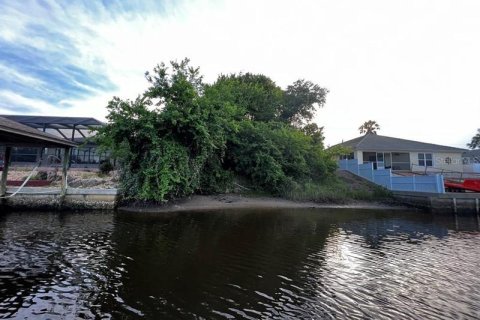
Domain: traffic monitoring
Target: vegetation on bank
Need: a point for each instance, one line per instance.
(340, 188)
(475, 143)
(183, 136)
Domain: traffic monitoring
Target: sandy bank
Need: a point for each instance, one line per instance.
(235, 201)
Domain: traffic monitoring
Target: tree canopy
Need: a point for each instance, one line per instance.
(300, 102)
(182, 136)
(370, 126)
(475, 143)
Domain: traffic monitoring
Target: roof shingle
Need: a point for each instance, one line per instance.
(375, 142)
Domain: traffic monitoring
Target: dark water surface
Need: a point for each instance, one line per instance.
(289, 264)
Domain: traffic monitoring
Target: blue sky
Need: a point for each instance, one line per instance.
(45, 57)
(411, 65)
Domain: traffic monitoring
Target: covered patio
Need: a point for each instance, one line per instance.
(397, 161)
(14, 134)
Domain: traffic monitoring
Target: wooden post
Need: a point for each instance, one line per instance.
(6, 165)
(66, 157)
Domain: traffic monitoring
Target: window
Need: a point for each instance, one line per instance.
(401, 161)
(346, 156)
(425, 159)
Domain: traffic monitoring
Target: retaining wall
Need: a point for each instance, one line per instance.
(51, 199)
(450, 202)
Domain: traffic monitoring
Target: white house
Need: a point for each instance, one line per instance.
(405, 155)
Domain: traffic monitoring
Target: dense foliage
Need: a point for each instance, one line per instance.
(370, 126)
(475, 143)
(183, 136)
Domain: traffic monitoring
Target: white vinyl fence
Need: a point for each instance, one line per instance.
(385, 178)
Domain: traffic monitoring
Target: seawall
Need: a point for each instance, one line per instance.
(52, 199)
(456, 202)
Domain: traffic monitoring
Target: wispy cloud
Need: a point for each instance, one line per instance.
(48, 55)
(12, 101)
(402, 63)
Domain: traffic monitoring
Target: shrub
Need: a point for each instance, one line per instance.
(105, 167)
(182, 137)
(40, 175)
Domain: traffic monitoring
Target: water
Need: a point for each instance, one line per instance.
(291, 264)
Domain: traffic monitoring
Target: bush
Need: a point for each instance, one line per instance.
(335, 190)
(182, 137)
(41, 175)
(105, 167)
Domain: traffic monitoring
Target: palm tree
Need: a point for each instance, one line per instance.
(475, 143)
(370, 126)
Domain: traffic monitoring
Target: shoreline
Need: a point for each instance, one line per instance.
(236, 201)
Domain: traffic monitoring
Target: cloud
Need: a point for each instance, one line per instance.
(410, 65)
(18, 77)
(11, 101)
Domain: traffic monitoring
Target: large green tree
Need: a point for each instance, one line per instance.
(167, 136)
(275, 143)
(257, 96)
(475, 143)
(301, 99)
(182, 136)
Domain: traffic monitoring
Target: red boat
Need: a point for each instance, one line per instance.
(467, 185)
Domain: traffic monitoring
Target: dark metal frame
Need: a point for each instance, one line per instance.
(76, 124)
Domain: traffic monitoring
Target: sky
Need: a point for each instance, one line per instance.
(411, 65)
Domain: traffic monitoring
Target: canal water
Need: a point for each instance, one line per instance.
(249, 264)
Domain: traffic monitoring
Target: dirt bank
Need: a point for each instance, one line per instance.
(235, 201)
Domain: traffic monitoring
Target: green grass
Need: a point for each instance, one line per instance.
(335, 190)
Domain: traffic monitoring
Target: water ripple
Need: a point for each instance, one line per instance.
(307, 264)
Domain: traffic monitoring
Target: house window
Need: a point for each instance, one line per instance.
(425, 159)
(347, 156)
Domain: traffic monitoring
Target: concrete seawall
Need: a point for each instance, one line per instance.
(51, 199)
(450, 202)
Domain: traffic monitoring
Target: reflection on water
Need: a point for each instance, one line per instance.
(320, 264)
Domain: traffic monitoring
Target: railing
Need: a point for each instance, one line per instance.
(385, 178)
(473, 171)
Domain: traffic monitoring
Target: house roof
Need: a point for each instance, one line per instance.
(375, 142)
(16, 134)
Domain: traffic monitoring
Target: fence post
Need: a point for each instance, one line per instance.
(6, 165)
(390, 178)
(65, 162)
(440, 184)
